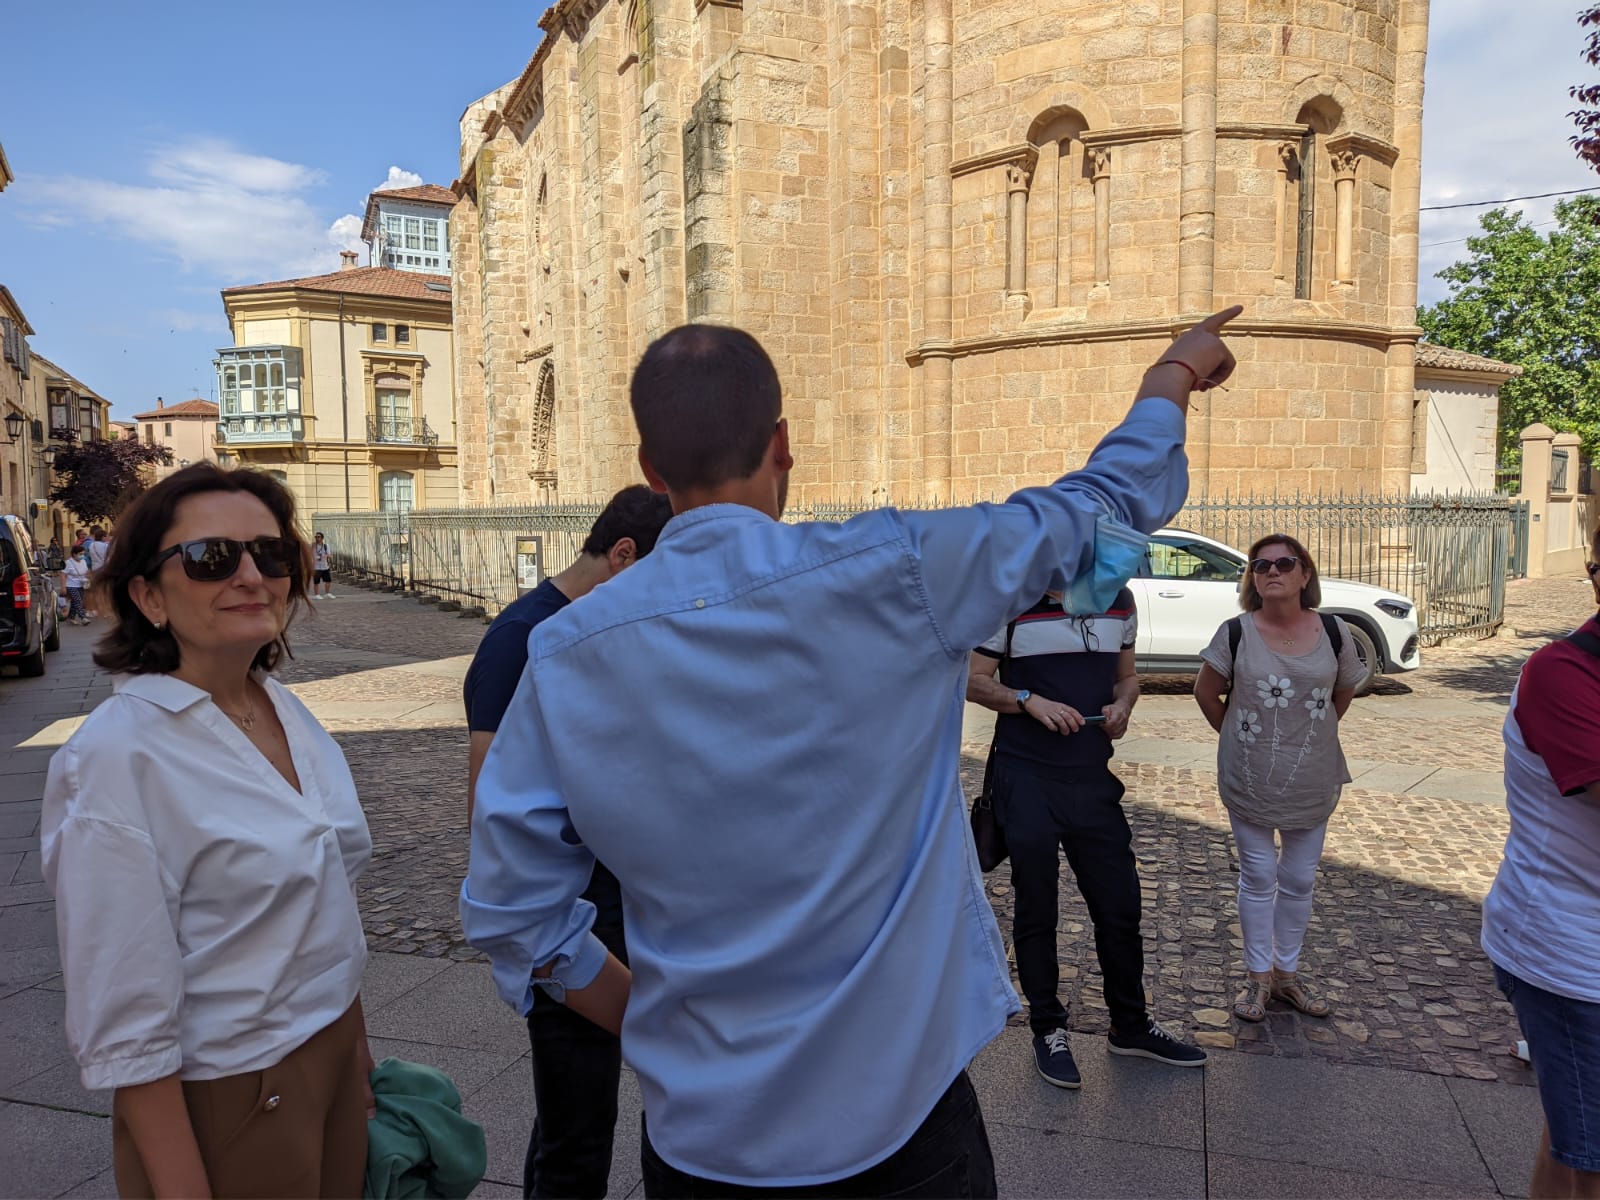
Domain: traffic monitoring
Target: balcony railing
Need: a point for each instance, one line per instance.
(401, 431)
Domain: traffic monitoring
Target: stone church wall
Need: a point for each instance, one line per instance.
(961, 227)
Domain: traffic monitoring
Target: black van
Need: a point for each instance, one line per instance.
(29, 624)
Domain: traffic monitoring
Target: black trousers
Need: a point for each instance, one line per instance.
(576, 1069)
(1080, 812)
(948, 1156)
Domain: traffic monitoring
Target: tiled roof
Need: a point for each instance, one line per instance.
(428, 193)
(362, 281)
(1443, 358)
(188, 408)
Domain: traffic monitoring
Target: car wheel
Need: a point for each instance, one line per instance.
(1367, 652)
(53, 642)
(33, 665)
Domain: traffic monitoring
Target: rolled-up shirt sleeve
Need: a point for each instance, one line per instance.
(982, 565)
(521, 903)
(120, 959)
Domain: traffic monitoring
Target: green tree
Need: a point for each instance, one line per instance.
(97, 480)
(1531, 299)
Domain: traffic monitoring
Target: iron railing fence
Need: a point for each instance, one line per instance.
(1451, 554)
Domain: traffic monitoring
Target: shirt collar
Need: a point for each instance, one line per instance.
(711, 512)
(168, 691)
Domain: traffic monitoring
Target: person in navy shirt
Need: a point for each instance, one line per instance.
(576, 1064)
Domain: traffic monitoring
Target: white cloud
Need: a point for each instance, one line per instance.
(399, 178)
(1495, 119)
(211, 206)
(345, 233)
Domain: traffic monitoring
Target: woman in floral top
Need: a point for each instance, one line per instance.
(1275, 690)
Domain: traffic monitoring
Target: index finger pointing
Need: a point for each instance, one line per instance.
(1216, 321)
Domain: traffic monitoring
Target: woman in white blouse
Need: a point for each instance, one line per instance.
(202, 837)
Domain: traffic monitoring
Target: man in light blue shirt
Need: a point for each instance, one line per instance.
(757, 729)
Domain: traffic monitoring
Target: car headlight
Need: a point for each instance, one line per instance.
(1395, 608)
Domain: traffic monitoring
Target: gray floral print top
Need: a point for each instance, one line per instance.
(1279, 762)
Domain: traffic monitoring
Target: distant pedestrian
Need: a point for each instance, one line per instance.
(97, 546)
(1541, 920)
(1064, 686)
(202, 838)
(1275, 684)
(576, 1064)
(321, 569)
(76, 571)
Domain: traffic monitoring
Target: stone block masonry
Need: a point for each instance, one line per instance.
(961, 228)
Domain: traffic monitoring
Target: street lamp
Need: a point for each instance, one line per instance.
(14, 424)
(48, 454)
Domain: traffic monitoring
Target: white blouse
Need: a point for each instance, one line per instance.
(206, 910)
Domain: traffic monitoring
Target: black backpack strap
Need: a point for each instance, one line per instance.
(1235, 632)
(1585, 641)
(1335, 637)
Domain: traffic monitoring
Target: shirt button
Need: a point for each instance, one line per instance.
(272, 1103)
(699, 603)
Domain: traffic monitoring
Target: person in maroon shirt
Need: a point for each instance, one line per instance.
(1541, 920)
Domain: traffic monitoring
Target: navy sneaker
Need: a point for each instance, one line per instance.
(1155, 1042)
(1053, 1058)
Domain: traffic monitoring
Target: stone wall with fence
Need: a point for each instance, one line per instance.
(1451, 554)
(1557, 484)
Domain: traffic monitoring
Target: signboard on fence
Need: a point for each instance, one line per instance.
(530, 563)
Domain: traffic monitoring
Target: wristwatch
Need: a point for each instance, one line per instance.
(1022, 700)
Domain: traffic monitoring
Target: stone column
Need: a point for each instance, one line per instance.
(1344, 206)
(1197, 204)
(1100, 166)
(938, 381)
(1405, 182)
(1537, 447)
(1018, 177)
(1288, 158)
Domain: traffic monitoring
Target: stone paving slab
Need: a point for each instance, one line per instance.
(1027, 1164)
(51, 1153)
(1235, 1177)
(1505, 1126)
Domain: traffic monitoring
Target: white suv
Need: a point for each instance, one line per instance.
(1188, 585)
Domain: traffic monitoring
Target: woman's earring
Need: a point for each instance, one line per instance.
(158, 625)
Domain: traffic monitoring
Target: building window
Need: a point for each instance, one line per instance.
(394, 414)
(402, 335)
(149, 434)
(380, 332)
(413, 233)
(394, 491)
(63, 412)
(87, 425)
(260, 390)
(167, 429)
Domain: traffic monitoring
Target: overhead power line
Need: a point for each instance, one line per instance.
(1511, 200)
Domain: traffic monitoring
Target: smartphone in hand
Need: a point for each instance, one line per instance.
(1097, 719)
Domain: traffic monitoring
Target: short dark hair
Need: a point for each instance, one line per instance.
(706, 400)
(1310, 595)
(635, 512)
(134, 646)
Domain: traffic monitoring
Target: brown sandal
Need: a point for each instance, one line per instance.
(1252, 1002)
(1294, 993)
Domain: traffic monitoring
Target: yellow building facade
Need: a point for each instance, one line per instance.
(343, 386)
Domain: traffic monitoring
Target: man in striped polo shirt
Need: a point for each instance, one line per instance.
(1064, 686)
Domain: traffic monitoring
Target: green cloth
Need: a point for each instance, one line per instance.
(419, 1144)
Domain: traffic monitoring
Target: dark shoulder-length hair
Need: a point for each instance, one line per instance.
(1310, 595)
(134, 646)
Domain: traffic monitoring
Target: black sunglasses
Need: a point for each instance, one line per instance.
(1285, 564)
(211, 560)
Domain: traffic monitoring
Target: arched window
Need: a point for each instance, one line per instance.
(394, 491)
(1323, 116)
(541, 450)
(1060, 209)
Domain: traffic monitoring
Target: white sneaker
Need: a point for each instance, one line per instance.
(331, 596)
(316, 595)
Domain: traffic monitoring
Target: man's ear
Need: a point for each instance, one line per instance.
(624, 554)
(781, 457)
(657, 484)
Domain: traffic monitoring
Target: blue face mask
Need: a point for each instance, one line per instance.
(1118, 551)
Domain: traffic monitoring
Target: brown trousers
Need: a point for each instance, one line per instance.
(296, 1129)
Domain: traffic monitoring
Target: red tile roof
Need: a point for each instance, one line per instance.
(428, 193)
(197, 407)
(361, 281)
(1445, 359)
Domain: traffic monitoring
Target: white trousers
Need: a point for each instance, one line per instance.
(1275, 891)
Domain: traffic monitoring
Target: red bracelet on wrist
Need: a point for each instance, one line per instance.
(1178, 362)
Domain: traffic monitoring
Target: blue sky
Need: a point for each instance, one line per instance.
(165, 153)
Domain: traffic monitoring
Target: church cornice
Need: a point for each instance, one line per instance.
(1363, 146)
(1128, 134)
(1379, 337)
(1023, 155)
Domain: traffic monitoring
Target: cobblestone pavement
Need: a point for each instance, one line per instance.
(1393, 938)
